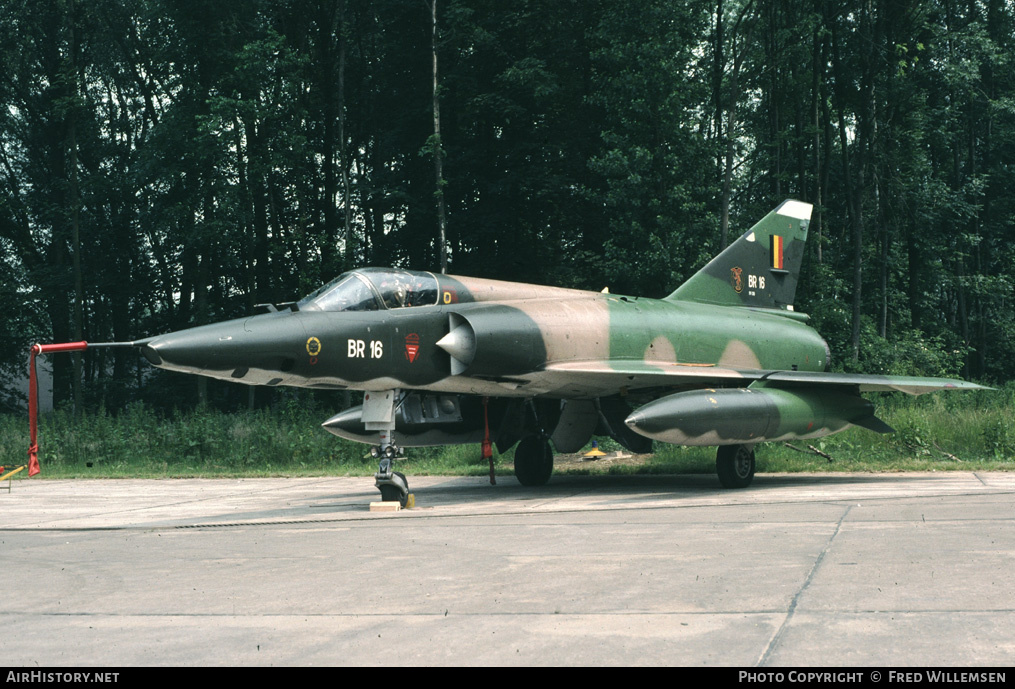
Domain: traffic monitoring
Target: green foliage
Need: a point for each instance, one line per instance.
(999, 439)
(977, 428)
(910, 353)
(913, 437)
(204, 442)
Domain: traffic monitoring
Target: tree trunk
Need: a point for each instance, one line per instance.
(74, 202)
(438, 149)
(854, 204)
(343, 156)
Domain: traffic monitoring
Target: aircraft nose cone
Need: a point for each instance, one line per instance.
(205, 347)
(232, 347)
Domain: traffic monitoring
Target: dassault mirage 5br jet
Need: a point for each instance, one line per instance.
(722, 361)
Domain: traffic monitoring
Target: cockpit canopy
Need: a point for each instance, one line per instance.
(370, 289)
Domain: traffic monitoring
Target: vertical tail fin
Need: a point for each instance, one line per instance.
(760, 269)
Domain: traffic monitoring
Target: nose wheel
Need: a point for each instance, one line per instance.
(393, 485)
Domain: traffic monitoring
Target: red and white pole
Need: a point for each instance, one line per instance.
(33, 396)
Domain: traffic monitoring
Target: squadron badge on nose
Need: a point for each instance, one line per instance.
(313, 349)
(411, 346)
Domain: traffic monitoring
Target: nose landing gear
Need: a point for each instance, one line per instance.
(393, 485)
(379, 415)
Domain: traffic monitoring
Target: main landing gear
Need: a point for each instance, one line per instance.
(735, 465)
(533, 461)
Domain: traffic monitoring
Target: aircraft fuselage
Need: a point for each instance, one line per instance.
(518, 335)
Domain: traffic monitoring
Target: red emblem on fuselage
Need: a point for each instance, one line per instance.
(411, 346)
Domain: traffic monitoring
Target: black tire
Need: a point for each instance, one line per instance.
(533, 461)
(390, 493)
(735, 465)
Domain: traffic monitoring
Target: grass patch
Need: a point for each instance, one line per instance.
(975, 427)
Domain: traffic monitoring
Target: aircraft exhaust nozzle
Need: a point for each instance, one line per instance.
(751, 415)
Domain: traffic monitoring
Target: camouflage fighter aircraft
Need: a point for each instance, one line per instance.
(722, 361)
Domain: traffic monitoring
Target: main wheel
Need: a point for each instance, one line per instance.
(735, 465)
(533, 461)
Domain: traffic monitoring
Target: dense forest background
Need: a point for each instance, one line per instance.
(167, 163)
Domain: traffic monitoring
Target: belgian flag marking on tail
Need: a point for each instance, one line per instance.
(777, 261)
(773, 247)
